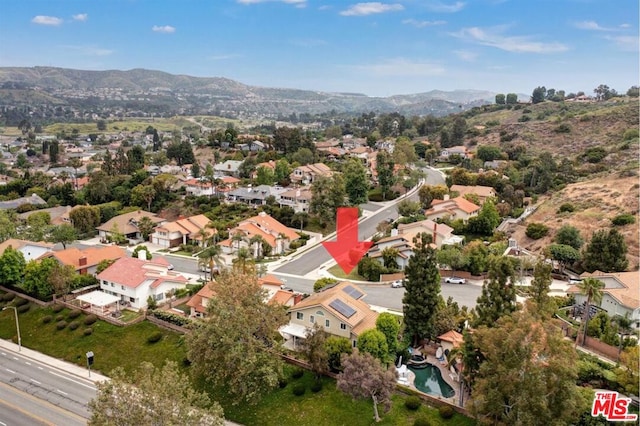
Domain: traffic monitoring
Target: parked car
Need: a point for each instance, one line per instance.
(455, 280)
(397, 284)
(170, 267)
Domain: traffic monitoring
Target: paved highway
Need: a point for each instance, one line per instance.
(67, 393)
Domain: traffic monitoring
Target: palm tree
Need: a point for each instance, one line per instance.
(592, 288)
(243, 257)
(624, 326)
(256, 241)
(210, 256)
(237, 237)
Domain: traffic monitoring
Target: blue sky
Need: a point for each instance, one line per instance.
(376, 48)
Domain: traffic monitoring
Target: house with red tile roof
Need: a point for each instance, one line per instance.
(273, 232)
(199, 303)
(454, 208)
(85, 261)
(182, 231)
(339, 310)
(135, 280)
(450, 340)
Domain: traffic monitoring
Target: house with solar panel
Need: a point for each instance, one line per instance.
(340, 310)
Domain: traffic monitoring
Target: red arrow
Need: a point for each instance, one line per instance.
(347, 250)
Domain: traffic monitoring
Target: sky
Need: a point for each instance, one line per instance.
(379, 48)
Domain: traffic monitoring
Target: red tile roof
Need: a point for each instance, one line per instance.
(131, 272)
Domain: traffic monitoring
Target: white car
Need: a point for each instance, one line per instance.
(397, 284)
(455, 280)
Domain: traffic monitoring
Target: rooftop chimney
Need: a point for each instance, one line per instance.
(82, 261)
(142, 254)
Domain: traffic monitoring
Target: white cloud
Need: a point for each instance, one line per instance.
(401, 67)
(88, 50)
(629, 43)
(438, 6)
(422, 24)
(167, 29)
(466, 55)
(362, 9)
(46, 20)
(591, 26)
(493, 37)
(80, 17)
(625, 26)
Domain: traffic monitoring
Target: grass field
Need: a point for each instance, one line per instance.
(337, 272)
(113, 346)
(328, 407)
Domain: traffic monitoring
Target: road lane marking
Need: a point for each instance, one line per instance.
(27, 362)
(71, 380)
(15, 358)
(64, 393)
(40, 368)
(40, 402)
(10, 371)
(3, 424)
(4, 354)
(36, 382)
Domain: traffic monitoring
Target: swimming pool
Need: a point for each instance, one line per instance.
(429, 380)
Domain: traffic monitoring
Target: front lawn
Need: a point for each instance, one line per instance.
(337, 272)
(113, 346)
(328, 407)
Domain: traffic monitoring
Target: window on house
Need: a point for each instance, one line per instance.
(132, 299)
(320, 313)
(343, 326)
(160, 296)
(312, 319)
(299, 315)
(326, 323)
(122, 287)
(354, 343)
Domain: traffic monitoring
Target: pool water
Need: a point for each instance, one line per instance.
(429, 380)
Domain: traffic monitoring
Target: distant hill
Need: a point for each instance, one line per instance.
(140, 88)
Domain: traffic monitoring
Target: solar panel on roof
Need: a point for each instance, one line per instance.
(344, 309)
(353, 292)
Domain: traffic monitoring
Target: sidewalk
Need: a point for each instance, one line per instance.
(76, 370)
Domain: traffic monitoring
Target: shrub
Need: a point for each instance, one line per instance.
(74, 325)
(57, 308)
(172, 318)
(524, 119)
(594, 154)
(8, 297)
(47, 319)
(299, 389)
(566, 207)
(74, 314)
(20, 302)
(630, 134)
(563, 128)
(421, 421)
(59, 318)
(536, 230)
(413, 403)
(446, 411)
(90, 319)
(316, 386)
(282, 383)
(186, 361)
(61, 324)
(623, 219)
(87, 331)
(297, 373)
(155, 337)
(24, 308)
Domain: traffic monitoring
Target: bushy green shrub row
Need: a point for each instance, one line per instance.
(171, 318)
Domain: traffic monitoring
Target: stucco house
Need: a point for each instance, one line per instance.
(182, 231)
(134, 280)
(228, 168)
(454, 208)
(127, 225)
(482, 192)
(85, 261)
(30, 250)
(340, 310)
(273, 232)
(298, 199)
(620, 295)
(307, 174)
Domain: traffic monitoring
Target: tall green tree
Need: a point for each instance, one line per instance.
(356, 182)
(328, 193)
(63, 234)
(336, 346)
(265, 176)
(315, 350)
(12, 266)
(592, 289)
(486, 221)
(563, 254)
(570, 236)
(232, 350)
(389, 325)
(498, 296)
(527, 376)
(152, 396)
(36, 277)
(422, 290)
(384, 168)
(500, 99)
(428, 193)
(8, 221)
(544, 306)
(606, 252)
(374, 342)
(539, 94)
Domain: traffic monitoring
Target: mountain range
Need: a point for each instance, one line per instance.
(182, 94)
